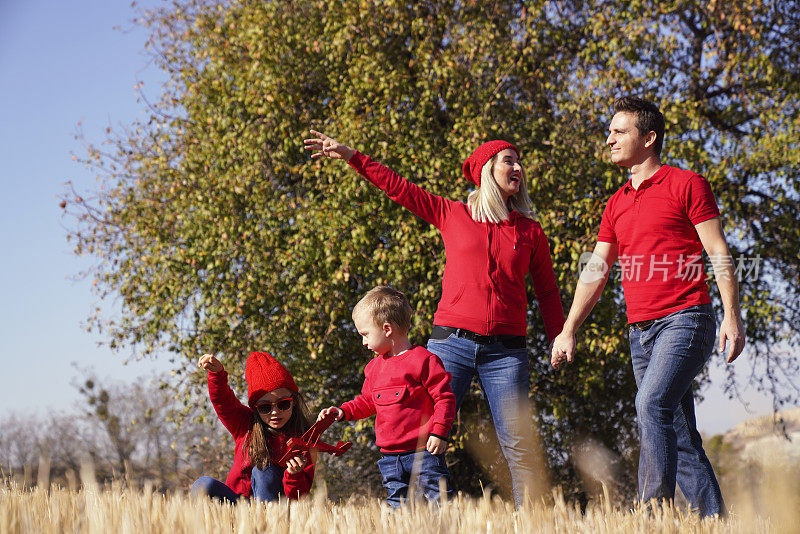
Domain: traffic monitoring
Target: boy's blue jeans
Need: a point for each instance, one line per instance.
(266, 484)
(396, 470)
(504, 377)
(666, 358)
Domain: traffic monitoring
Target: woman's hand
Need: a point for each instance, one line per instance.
(322, 145)
(296, 464)
(210, 363)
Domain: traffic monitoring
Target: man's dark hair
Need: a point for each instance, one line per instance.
(648, 117)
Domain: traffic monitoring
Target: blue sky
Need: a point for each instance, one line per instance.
(64, 63)
(61, 63)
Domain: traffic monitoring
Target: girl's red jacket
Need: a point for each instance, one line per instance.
(238, 419)
(483, 286)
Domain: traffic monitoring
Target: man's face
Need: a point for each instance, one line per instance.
(627, 144)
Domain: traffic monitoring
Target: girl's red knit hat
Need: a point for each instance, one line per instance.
(263, 374)
(473, 164)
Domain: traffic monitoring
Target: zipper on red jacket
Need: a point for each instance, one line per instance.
(491, 282)
(496, 234)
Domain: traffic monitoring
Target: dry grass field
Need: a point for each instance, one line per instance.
(133, 511)
(759, 474)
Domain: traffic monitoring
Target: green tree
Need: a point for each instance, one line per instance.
(218, 233)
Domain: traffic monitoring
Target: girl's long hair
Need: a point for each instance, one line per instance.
(487, 204)
(256, 443)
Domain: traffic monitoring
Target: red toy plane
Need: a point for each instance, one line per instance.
(310, 440)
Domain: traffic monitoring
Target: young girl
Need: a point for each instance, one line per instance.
(276, 413)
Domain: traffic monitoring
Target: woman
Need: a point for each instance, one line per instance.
(480, 324)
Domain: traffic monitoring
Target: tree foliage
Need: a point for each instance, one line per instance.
(218, 233)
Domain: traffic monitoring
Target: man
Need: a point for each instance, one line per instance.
(657, 224)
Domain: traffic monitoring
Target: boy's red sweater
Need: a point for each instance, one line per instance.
(483, 286)
(412, 397)
(238, 419)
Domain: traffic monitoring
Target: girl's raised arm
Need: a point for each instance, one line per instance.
(209, 363)
(235, 416)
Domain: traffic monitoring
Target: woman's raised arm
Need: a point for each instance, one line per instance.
(421, 203)
(322, 145)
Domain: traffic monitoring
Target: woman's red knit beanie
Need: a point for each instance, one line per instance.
(473, 164)
(263, 374)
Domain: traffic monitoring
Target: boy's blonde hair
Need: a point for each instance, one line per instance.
(487, 204)
(386, 305)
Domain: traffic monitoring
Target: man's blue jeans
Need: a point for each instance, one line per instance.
(504, 377)
(666, 358)
(396, 470)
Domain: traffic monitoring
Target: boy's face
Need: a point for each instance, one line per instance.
(374, 337)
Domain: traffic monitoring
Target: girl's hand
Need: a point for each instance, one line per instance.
(333, 409)
(210, 363)
(322, 145)
(436, 445)
(296, 464)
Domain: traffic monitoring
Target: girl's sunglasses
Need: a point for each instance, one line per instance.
(282, 405)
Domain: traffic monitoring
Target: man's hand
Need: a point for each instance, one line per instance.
(563, 349)
(436, 445)
(731, 329)
(210, 363)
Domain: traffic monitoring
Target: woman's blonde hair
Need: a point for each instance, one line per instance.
(487, 204)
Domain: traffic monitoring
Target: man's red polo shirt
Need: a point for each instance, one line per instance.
(659, 250)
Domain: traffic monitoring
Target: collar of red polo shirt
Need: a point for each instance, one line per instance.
(656, 178)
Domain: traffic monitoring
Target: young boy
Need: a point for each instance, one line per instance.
(409, 390)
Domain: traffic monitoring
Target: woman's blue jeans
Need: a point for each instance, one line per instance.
(666, 358)
(504, 377)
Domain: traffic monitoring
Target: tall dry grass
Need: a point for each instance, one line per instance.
(123, 510)
(762, 493)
